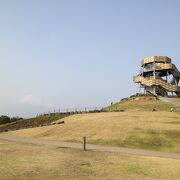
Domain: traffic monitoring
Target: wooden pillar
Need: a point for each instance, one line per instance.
(84, 143)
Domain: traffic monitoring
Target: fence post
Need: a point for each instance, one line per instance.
(84, 143)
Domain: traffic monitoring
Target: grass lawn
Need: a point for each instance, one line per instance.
(20, 161)
(135, 129)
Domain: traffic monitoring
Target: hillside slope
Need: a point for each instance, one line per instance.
(42, 120)
(145, 103)
(148, 130)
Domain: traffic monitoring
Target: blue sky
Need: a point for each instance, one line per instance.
(79, 53)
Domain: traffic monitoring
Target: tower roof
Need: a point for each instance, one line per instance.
(151, 59)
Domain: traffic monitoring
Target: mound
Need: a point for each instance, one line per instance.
(145, 103)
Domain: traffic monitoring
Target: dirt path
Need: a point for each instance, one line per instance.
(170, 100)
(61, 144)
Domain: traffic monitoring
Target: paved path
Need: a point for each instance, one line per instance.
(137, 152)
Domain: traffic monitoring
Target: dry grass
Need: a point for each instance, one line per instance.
(25, 161)
(143, 104)
(148, 130)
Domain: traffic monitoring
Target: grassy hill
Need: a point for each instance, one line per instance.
(147, 130)
(142, 103)
(33, 122)
(136, 127)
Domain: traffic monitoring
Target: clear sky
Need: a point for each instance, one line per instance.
(79, 53)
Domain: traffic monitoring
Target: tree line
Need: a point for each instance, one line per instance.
(7, 119)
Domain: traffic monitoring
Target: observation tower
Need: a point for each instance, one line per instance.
(158, 76)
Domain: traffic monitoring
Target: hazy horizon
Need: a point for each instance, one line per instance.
(71, 54)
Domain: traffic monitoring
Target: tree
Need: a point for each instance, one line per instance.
(14, 119)
(5, 119)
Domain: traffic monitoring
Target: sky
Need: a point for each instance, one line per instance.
(57, 54)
